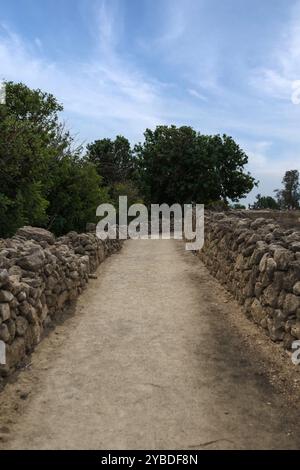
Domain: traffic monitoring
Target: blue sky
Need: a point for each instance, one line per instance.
(119, 66)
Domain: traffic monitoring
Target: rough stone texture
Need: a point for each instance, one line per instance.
(39, 277)
(258, 262)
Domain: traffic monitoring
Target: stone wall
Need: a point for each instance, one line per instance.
(39, 277)
(259, 263)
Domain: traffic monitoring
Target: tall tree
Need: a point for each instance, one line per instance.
(289, 196)
(30, 136)
(112, 158)
(75, 194)
(43, 181)
(182, 165)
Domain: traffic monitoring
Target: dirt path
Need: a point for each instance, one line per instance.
(148, 361)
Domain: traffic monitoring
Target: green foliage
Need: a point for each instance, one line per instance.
(29, 137)
(42, 182)
(182, 165)
(75, 195)
(113, 159)
(238, 206)
(45, 182)
(289, 196)
(218, 206)
(128, 189)
(265, 202)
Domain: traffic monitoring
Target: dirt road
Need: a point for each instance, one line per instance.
(149, 360)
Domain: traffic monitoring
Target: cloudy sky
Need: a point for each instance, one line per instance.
(119, 66)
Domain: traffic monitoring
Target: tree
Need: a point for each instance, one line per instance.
(265, 202)
(112, 158)
(128, 189)
(75, 196)
(238, 206)
(289, 196)
(43, 180)
(182, 165)
(30, 136)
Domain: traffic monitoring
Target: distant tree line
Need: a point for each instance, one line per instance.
(287, 198)
(48, 181)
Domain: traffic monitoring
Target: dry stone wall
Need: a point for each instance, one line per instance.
(39, 277)
(259, 263)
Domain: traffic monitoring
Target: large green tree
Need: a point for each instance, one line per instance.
(75, 194)
(178, 164)
(42, 180)
(30, 136)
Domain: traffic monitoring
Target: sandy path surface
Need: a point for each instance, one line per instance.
(148, 361)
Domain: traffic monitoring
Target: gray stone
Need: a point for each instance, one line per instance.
(291, 304)
(276, 333)
(258, 289)
(288, 341)
(24, 308)
(4, 311)
(293, 237)
(283, 258)
(4, 277)
(74, 275)
(263, 262)
(257, 311)
(51, 282)
(15, 271)
(257, 223)
(4, 333)
(278, 280)
(270, 296)
(295, 331)
(38, 234)
(271, 266)
(257, 255)
(296, 288)
(33, 261)
(22, 296)
(6, 296)
(11, 328)
(32, 316)
(21, 326)
(295, 247)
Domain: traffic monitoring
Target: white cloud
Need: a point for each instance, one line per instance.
(278, 78)
(196, 93)
(105, 88)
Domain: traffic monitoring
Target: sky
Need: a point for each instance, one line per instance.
(120, 66)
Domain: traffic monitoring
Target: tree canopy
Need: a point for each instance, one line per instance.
(178, 164)
(46, 181)
(289, 196)
(113, 159)
(265, 202)
(42, 180)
